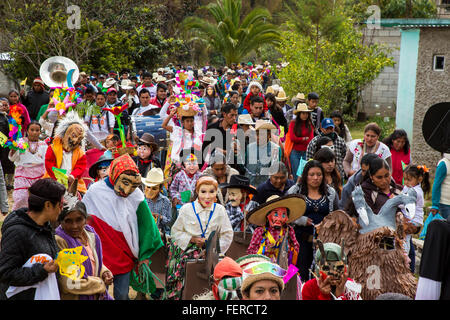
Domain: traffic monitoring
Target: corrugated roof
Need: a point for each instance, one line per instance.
(411, 23)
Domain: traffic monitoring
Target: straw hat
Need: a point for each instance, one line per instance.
(281, 96)
(264, 124)
(209, 81)
(270, 89)
(251, 258)
(246, 119)
(294, 202)
(300, 97)
(160, 79)
(186, 111)
(301, 107)
(154, 177)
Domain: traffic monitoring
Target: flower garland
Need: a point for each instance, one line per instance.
(16, 140)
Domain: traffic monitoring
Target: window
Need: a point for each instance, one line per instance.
(438, 63)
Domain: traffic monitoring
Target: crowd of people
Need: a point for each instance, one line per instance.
(236, 156)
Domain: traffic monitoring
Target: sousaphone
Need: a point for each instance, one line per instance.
(436, 127)
(59, 71)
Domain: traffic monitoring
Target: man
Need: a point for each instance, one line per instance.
(317, 113)
(122, 219)
(111, 98)
(88, 104)
(262, 154)
(35, 98)
(277, 184)
(161, 95)
(100, 122)
(220, 130)
(147, 83)
(144, 104)
(340, 148)
(257, 108)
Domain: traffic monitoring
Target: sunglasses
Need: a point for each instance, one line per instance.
(265, 267)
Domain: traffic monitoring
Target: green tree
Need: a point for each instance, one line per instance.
(229, 34)
(342, 67)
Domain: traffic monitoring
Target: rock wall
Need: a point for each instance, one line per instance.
(431, 87)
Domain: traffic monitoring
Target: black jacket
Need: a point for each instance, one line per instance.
(34, 101)
(21, 239)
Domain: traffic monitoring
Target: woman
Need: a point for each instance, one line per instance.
(327, 158)
(262, 281)
(301, 132)
(320, 201)
(399, 146)
(340, 127)
(27, 233)
(370, 144)
(276, 113)
(212, 100)
(378, 187)
(193, 226)
(14, 98)
(29, 164)
(74, 232)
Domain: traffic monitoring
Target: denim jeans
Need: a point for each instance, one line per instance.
(121, 286)
(444, 210)
(294, 158)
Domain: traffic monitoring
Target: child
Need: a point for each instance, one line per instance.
(185, 181)
(29, 165)
(99, 170)
(255, 89)
(159, 204)
(416, 177)
(111, 143)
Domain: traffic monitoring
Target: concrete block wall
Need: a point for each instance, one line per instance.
(383, 90)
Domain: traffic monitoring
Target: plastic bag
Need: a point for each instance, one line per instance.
(430, 218)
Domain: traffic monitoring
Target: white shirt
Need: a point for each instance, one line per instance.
(418, 216)
(102, 131)
(151, 90)
(186, 226)
(28, 159)
(139, 111)
(354, 146)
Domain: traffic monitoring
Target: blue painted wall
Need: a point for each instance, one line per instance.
(409, 51)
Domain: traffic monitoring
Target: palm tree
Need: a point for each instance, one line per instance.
(230, 35)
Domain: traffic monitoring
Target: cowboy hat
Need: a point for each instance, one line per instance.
(239, 182)
(246, 119)
(264, 124)
(149, 139)
(281, 96)
(109, 83)
(186, 111)
(209, 80)
(294, 202)
(154, 177)
(127, 84)
(107, 156)
(160, 79)
(270, 89)
(300, 97)
(301, 107)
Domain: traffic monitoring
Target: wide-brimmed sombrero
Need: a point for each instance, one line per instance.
(295, 203)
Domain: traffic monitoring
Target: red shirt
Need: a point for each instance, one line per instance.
(247, 102)
(156, 102)
(311, 291)
(299, 143)
(397, 157)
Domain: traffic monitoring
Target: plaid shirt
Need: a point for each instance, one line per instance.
(236, 216)
(163, 207)
(180, 184)
(340, 149)
(259, 236)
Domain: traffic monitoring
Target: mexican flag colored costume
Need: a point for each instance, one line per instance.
(124, 224)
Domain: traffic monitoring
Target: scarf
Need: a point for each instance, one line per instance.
(120, 165)
(73, 243)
